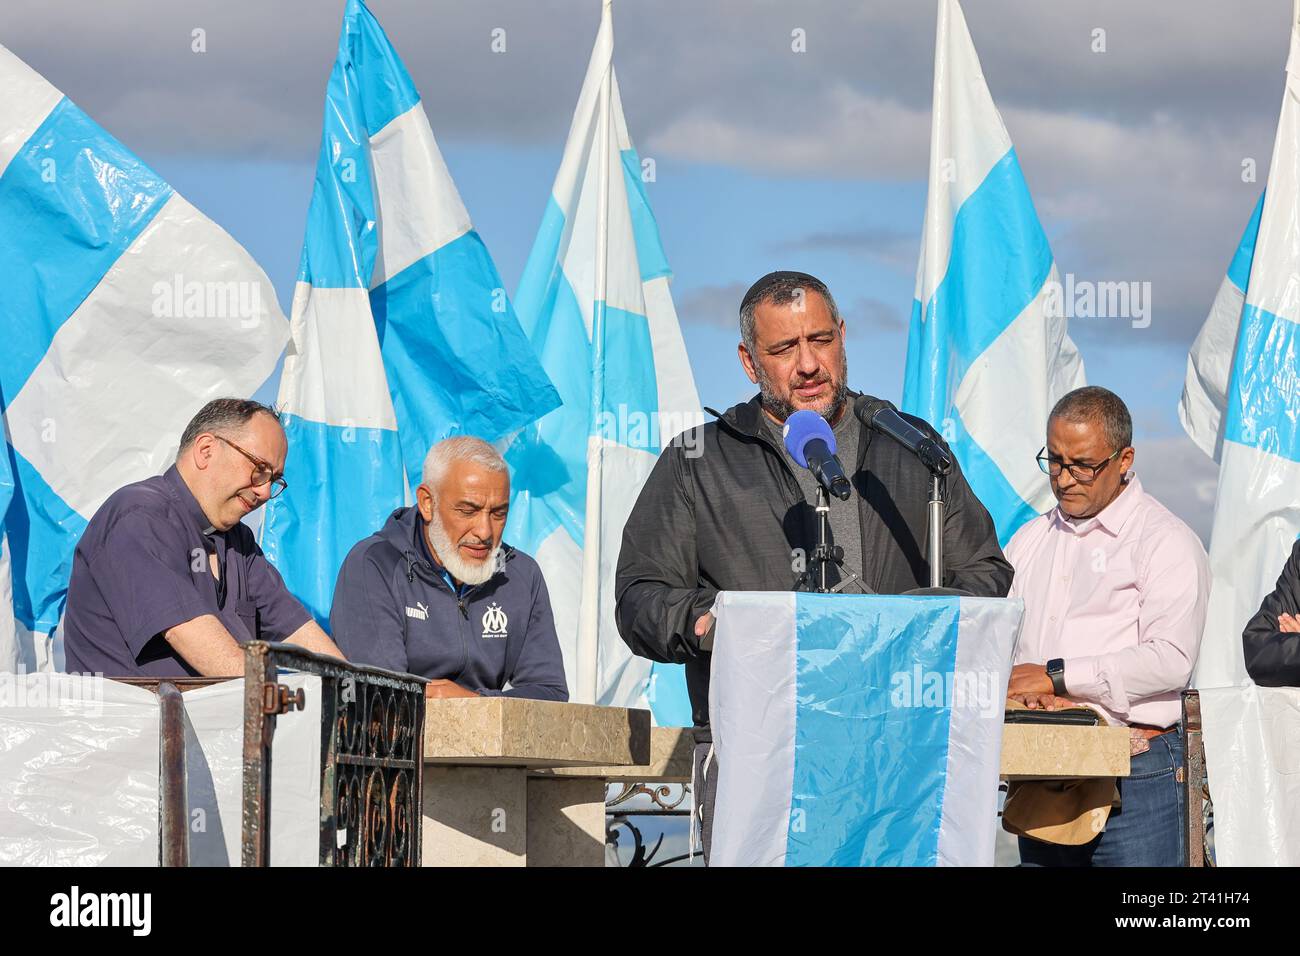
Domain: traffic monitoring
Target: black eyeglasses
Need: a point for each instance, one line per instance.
(262, 472)
(1080, 472)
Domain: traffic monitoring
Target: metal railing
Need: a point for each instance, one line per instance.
(372, 750)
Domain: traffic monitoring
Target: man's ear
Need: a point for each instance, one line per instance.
(201, 451)
(424, 501)
(747, 362)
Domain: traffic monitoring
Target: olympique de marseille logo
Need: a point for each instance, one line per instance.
(494, 621)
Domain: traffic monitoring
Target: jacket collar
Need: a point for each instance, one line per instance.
(405, 531)
(747, 417)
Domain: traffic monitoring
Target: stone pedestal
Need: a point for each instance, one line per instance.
(480, 806)
(475, 816)
(566, 821)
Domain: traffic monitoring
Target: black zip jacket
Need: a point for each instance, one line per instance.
(723, 510)
(1272, 655)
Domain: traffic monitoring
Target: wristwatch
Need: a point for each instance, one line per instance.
(1056, 671)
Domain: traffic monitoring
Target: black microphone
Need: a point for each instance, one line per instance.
(883, 417)
(811, 443)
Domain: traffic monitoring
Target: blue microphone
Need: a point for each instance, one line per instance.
(811, 443)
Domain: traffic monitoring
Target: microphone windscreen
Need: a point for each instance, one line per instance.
(801, 428)
(865, 408)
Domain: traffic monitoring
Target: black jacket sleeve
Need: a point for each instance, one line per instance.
(657, 585)
(972, 558)
(1273, 656)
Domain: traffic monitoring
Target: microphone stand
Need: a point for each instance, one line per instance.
(935, 510)
(821, 554)
(934, 533)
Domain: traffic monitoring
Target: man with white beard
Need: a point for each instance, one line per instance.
(437, 593)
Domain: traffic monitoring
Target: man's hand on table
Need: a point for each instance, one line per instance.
(1029, 680)
(445, 689)
(1044, 701)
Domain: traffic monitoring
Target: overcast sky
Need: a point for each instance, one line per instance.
(765, 157)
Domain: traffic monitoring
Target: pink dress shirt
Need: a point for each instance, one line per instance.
(1120, 597)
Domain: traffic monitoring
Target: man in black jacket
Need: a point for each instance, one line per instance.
(725, 506)
(1271, 641)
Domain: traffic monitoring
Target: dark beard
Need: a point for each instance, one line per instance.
(780, 409)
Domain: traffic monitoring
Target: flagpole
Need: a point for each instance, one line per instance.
(589, 624)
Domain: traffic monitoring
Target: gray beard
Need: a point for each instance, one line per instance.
(782, 409)
(466, 572)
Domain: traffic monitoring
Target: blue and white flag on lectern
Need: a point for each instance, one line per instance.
(1257, 510)
(987, 351)
(402, 333)
(125, 309)
(621, 367)
(858, 730)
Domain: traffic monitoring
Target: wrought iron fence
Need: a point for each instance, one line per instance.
(372, 749)
(630, 807)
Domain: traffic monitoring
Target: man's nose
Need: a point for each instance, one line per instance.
(482, 526)
(808, 362)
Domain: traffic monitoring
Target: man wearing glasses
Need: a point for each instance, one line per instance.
(166, 580)
(1115, 588)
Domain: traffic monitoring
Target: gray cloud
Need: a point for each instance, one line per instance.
(1133, 155)
(717, 305)
(892, 247)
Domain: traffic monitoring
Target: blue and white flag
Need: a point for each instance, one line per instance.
(1257, 510)
(125, 310)
(594, 299)
(402, 333)
(987, 352)
(10, 659)
(1209, 364)
(858, 730)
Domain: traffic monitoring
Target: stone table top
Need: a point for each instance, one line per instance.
(514, 732)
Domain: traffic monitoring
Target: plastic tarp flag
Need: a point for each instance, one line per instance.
(1254, 769)
(621, 367)
(987, 350)
(858, 730)
(402, 333)
(125, 310)
(79, 773)
(1209, 364)
(10, 658)
(1257, 509)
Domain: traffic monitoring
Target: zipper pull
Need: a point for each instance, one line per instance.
(464, 611)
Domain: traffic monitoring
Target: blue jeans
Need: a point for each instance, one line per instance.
(1148, 829)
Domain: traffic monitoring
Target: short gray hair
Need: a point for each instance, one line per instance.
(1093, 404)
(222, 415)
(459, 448)
(782, 291)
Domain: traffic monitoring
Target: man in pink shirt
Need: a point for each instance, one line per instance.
(1115, 588)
